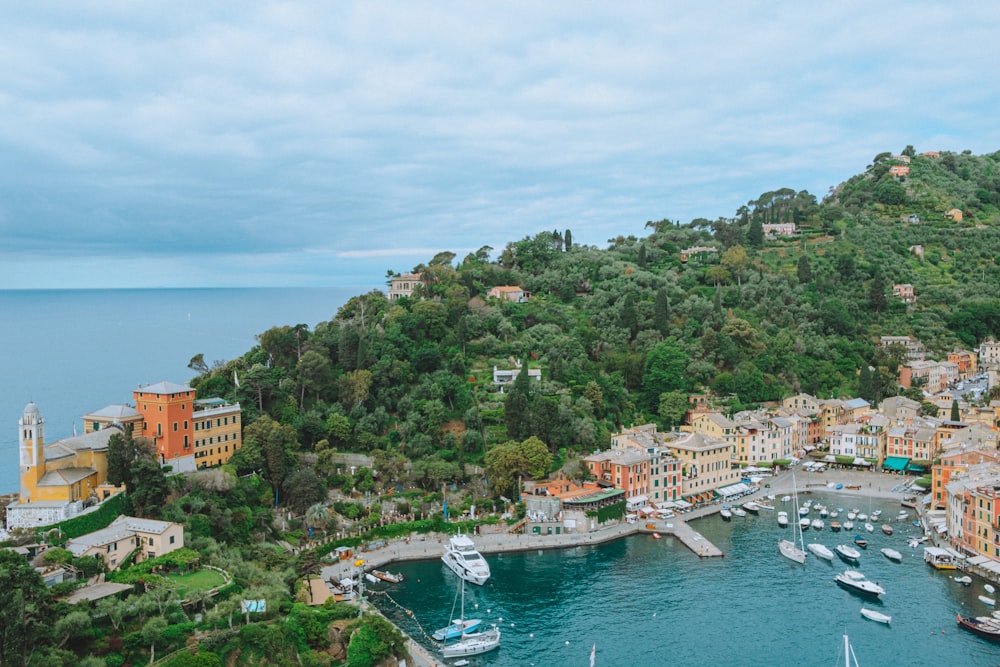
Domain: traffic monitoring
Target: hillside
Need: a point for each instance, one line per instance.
(624, 334)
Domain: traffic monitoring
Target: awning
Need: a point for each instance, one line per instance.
(683, 504)
(637, 501)
(830, 458)
(734, 490)
(915, 468)
(895, 462)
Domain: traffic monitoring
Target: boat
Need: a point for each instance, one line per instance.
(764, 506)
(372, 579)
(989, 589)
(726, 514)
(461, 557)
(876, 616)
(804, 523)
(985, 600)
(940, 559)
(388, 576)
(839, 486)
(847, 553)
(862, 517)
(803, 511)
(752, 507)
(848, 525)
(456, 629)
(657, 536)
(469, 643)
(785, 499)
(788, 548)
(738, 512)
(855, 582)
(860, 542)
(823, 513)
(850, 660)
(892, 554)
(984, 626)
(876, 514)
(965, 581)
(820, 550)
(852, 515)
(835, 526)
(834, 514)
(783, 519)
(817, 524)
(887, 529)
(915, 542)
(870, 528)
(902, 515)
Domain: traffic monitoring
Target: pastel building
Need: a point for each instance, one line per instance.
(403, 285)
(57, 480)
(148, 538)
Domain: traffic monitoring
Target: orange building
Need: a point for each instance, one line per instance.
(956, 460)
(167, 418)
(966, 362)
(190, 433)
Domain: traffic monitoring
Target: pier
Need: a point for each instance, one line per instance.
(694, 540)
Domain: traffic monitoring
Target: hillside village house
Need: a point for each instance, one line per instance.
(779, 229)
(147, 537)
(931, 376)
(954, 214)
(505, 376)
(989, 353)
(965, 361)
(403, 285)
(904, 292)
(899, 170)
(956, 459)
(625, 469)
(511, 293)
(664, 467)
(915, 350)
(706, 463)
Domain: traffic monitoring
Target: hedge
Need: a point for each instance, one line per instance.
(100, 518)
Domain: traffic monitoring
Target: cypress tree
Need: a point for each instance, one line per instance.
(661, 311)
(956, 415)
(755, 235)
(568, 240)
(517, 407)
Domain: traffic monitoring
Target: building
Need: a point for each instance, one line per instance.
(148, 538)
(624, 469)
(503, 376)
(915, 350)
(58, 480)
(965, 361)
(511, 293)
(931, 376)
(664, 467)
(899, 170)
(186, 433)
(779, 229)
(954, 214)
(989, 353)
(706, 463)
(120, 415)
(403, 285)
(904, 292)
(955, 460)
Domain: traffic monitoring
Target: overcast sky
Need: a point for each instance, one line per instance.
(154, 144)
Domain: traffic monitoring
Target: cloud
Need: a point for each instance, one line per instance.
(370, 131)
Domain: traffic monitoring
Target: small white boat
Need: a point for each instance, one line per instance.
(820, 550)
(849, 554)
(725, 514)
(870, 528)
(803, 511)
(752, 507)
(876, 514)
(854, 581)
(834, 514)
(892, 554)
(902, 515)
(876, 616)
(785, 499)
(738, 512)
(989, 589)
(765, 506)
(887, 529)
(804, 523)
(817, 524)
(852, 515)
(965, 581)
(862, 517)
(783, 519)
(848, 525)
(985, 600)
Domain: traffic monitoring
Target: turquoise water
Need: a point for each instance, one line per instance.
(644, 601)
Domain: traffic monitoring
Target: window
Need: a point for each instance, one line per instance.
(172, 539)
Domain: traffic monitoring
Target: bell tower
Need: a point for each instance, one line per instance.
(31, 444)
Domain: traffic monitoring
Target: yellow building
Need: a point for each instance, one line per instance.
(58, 480)
(218, 432)
(148, 538)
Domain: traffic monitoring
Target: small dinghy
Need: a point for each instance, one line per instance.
(876, 616)
(965, 581)
(892, 554)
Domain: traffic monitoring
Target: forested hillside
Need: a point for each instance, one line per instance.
(623, 334)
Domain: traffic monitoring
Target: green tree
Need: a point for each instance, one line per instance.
(736, 261)
(876, 294)
(755, 234)
(804, 271)
(661, 311)
(568, 240)
(148, 488)
(25, 609)
(303, 488)
(152, 634)
(517, 406)
(375, 640)
(673, 407)
(956, 415)
(275, 445)
(122, 455)
(664, 372)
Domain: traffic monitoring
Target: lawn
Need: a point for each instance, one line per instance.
(198, 580)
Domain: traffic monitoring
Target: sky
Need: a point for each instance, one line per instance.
(191, 144)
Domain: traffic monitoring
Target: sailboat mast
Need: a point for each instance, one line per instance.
(847, 652)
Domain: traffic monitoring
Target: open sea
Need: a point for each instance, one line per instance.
(75, 351)
(647, 602)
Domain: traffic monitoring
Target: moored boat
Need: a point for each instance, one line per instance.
(726, 514)
(848, 525)
(817, 524)
(876, 616)
(940, 559)
(965, 581)
(804, 523)
(985, 600)
(461, 557)
(984, 626)
(892, 554)
(835, 526)
(738, 512)
(847, 554)
(392, 578)
(870, 528)
(855, 582)
(860, 541)
(783, 519)
(765, 506)
(752, 507)
(456, 629)
(820, 550)
(887, 529)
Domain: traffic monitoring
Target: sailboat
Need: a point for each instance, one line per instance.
(788, 548)
(471, 643)
(850, 660)
(458, 626)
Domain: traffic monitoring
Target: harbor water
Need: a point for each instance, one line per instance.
(646, 601)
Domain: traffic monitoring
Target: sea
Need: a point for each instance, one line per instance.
(74, 351)
(641, 602)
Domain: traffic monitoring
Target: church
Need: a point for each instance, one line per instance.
(58, 480)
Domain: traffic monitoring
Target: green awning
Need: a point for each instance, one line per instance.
(895, 463)
(915, 468)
